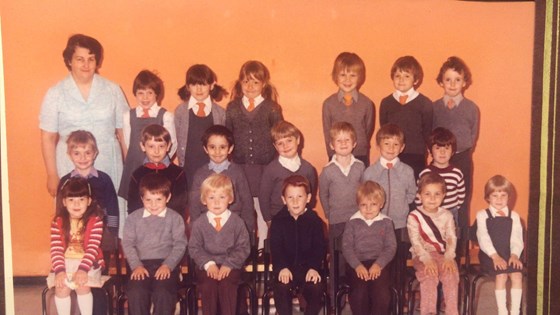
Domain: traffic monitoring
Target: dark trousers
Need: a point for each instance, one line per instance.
(335, 231)
(416, 161)
(372, 296)
(162, 293)
(212, 290)
(463, 161)
(312, 293)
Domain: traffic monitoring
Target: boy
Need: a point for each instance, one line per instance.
(338, 183)
(397, 179)
(154, 243)
(442, 145)
(297, 247)
(148, 90)
(460, 115)
(348, 104)
(218, 144)
(409, 110)
(219, 245)
(82, 150)
(432, 235)
(286, 138)
(369, 244)
(156, 142)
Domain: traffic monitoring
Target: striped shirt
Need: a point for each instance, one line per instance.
(454, 183)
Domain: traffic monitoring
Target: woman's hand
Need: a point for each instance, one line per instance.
(48, 148)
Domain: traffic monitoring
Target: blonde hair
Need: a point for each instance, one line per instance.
(340, 127)
(284, 129)
(81, 138)
(370, 189)
(498, 183)
(215, 182)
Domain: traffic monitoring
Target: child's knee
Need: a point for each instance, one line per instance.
(62, 292)
(516, 277)
(501, 278)
(83, 290)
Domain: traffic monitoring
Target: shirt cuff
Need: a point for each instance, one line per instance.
(208, 264)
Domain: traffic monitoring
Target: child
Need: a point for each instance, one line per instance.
(298, 248)
(500, 236)
(219, 245)
(369, 244)
(397, 179)
(197, 112)
(156, 142)
(338, 183)
(82, 150)
(432, 234)
(148, 90)
(75, 253)
(460, 115)
(154, 243)
(252, 112)
(348, 104)
(409, 110)
(286, 138)
(218, 144)
(442, 145)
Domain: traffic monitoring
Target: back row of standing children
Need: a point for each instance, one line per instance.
(253, 113)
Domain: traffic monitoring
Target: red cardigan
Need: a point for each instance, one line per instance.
(92, 240)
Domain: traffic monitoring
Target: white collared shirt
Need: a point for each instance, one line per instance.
(193, 104)
(148, 213)
(291, 164)
(258, 100)
(168, 123)
(344, 170)
(384, 162)
(412, 94)
(369, 222)
(225, 216)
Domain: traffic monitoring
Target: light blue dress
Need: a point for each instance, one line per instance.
(64, 110)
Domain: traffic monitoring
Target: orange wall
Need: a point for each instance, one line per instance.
(298, 40)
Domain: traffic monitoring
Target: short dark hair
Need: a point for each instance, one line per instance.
(350, 62)
(409, 64)
(431, 178)
(84, 41)
(146, 79)
(156, 132)
(442, 137)
(389, 131)
(155, 183)
(457, 64)
(218, 130)
(296, 181)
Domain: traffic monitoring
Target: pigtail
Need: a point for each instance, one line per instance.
(218, 93)
(184, 93)
(237, 92)
(270, 92)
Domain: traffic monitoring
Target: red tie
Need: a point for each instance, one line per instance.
(251, 106)
(200, 112)
(218, 223)
(501, 213)
(450, 104)
(389, 165)
(155, 166)
(348, 99)
(146, 113)
(402, 99)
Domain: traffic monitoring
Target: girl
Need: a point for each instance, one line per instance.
(250, 115)
(431, 229)
(75, 254)
(500, 236)
(197, 113)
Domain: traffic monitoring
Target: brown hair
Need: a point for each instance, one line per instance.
(350, 62)
(409, 64)
(456, 64)
(284, 129)
(157, 133)
(155, 183)
(84, 41)
(498, 183)
(81, 138)
(431, 178)
(342, 126)
(146, 79)
(389, 131)
(296, 181)
(255, 69)
(442, 137)
(203, 75)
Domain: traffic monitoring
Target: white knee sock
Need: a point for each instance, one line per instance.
(63, 305)
(516, 301)
(501, 301)
(85, 303)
